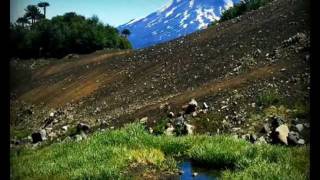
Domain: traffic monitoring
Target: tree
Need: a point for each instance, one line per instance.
(62, 35)
(22, 21)
(44, 5)
(126, 32)
(33, 13)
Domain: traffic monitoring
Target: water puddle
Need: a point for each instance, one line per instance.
(203, 173)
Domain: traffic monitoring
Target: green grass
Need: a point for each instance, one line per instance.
(108, 155)
(269, 97)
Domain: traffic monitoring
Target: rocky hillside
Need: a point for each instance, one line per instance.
(250, 71)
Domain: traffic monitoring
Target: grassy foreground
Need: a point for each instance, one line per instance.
(111, 154)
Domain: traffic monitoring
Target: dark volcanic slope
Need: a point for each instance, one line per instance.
(245, 54)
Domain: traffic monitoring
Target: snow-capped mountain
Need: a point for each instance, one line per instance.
(176, 19)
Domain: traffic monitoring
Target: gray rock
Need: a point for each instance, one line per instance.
(78, 137)
(194, 114)
(179, 120)
(307, 125)
(194, 174)
(293, 138)
(205, 106)
(299, 127)
(171, 115)
(301, 142)
(51, 114)
(65, 128)
(143, 120)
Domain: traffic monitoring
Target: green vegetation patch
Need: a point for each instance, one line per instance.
(109, 155)
(241, 8)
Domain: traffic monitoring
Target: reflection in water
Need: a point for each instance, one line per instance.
(203, 173)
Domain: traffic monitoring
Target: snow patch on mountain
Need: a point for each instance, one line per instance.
(175, 19)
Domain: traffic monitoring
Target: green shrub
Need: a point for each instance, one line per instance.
(241, 8)
(268, 97)
(161, 126)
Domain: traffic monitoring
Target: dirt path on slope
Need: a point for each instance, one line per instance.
(63, 67)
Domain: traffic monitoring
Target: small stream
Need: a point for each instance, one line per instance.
(204, 173)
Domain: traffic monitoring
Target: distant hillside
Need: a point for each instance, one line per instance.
(178, 18)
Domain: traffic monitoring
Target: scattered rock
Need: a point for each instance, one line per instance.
(51, 114)
(171, 115)
(293, 138)
(283, 69)
(179, 120)
(169, 131)
(194, 114)
(150, 130)
(205, 106)
(71, 56)
(65, 128)
(143, 120)
(299, 127)
(190, 128)
(253, 105)
(78, 137)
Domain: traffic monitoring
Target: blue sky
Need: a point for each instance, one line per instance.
(113, 12)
